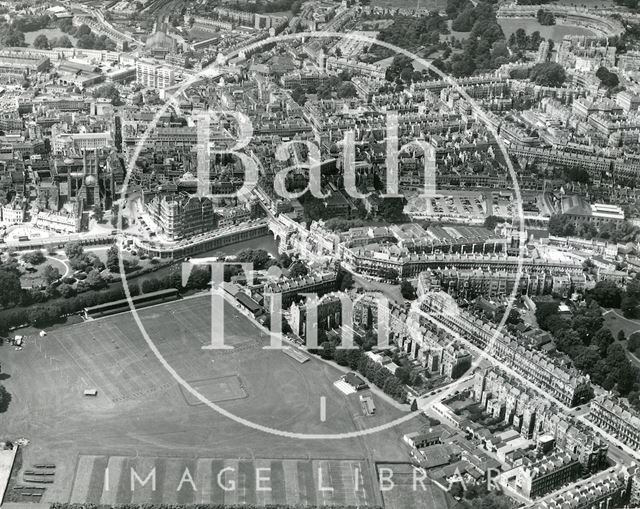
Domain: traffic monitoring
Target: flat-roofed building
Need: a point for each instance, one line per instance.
(154, 75)
(81, 141)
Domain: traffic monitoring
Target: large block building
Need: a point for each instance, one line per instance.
(534, 416)
(565, 384)
(618, 419)
(182, 216)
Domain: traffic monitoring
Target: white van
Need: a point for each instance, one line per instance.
(91, 392)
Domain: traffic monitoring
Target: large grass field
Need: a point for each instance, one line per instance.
(555, 32)
(407, 489)
(108, 480)
(142, 415)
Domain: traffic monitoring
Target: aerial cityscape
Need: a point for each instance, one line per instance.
(320, 254)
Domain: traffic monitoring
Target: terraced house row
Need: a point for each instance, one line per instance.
(617, 418)
(566, 384)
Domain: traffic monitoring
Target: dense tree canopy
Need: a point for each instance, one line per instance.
(50, 274)
(5, 399)
(109, 91)
(10, 288)
(607, 293)
(546, 17)
(34, 257)
(590, 345)
(607, 78)
(413, 32)
(258, 257)
(41, 42)
(548, 74)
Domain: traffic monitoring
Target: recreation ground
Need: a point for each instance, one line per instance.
(142, 419)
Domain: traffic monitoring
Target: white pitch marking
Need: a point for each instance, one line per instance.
(323, 409)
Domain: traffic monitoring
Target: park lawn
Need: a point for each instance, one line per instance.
(33, 279)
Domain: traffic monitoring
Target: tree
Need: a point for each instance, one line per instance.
(499, 49)
(137, 99)
(83, 30)
(629, 306)
(403, 374)
(491, 222)
(411, 32)
(284, 260)
(341, 356)
(602, 339)
(98, 213)
(546, 17)
(634, 342)
(150, 285)
(347, 89)
(548, 74)
(94, 280)
(407, 290)
(627, 377)
(607, 294)
(10, 288)
(66, 291)
(113, 259)
(115, 216)
(314, 208)
(50, 274)
(41, 42)
(5, 399)
(199, 278)
(327, 350)
(392, 209)
(464, 21)
(299, 95)
(130, 265)
(544, 311)
(43, 314)
(73, 250)
(152, 98)
(587, 360)
(12, 38)
(298, 269)
(514, 317)
(61, 42)
(109, 91)
(389, 274)
(561, 225)
(344, 280)
(34, 258)
(258, 257)
(587, 321)
(607, 78)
